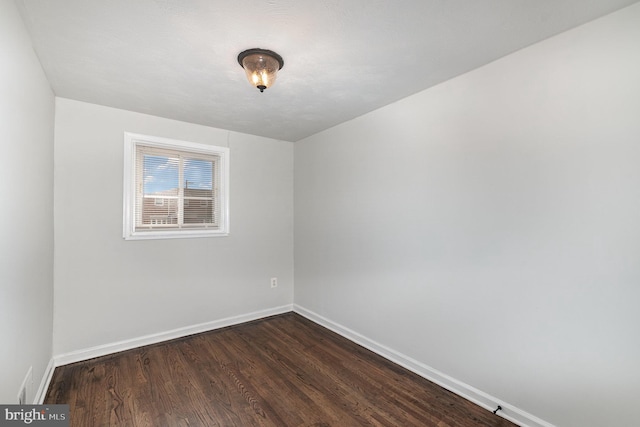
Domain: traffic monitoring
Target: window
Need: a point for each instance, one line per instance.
(174, 189)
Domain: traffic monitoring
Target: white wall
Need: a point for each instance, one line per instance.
(108, 289)
(489, 227)
(26, 228)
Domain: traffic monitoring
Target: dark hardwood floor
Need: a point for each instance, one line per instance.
(281, 371)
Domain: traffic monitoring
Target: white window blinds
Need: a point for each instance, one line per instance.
(176, 188)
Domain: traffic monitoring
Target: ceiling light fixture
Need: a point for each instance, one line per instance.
(261, 66)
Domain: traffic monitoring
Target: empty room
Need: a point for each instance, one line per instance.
(321, 213)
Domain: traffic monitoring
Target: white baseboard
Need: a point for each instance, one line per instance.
(466, 391)
(44, 383)
(103, 350)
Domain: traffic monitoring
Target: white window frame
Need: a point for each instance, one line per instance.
(131, 143)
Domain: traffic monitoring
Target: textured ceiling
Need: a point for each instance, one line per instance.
(177, 58)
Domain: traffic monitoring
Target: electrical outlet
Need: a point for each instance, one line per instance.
(274, 282)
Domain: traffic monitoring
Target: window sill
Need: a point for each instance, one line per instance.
(174, 234)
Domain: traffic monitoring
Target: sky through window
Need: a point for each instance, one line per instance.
(161, 174)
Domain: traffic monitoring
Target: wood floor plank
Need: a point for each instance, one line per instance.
(283, 371)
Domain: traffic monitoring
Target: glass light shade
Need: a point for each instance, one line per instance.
(261, 67)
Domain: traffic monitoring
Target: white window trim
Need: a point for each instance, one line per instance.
(131, 140)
